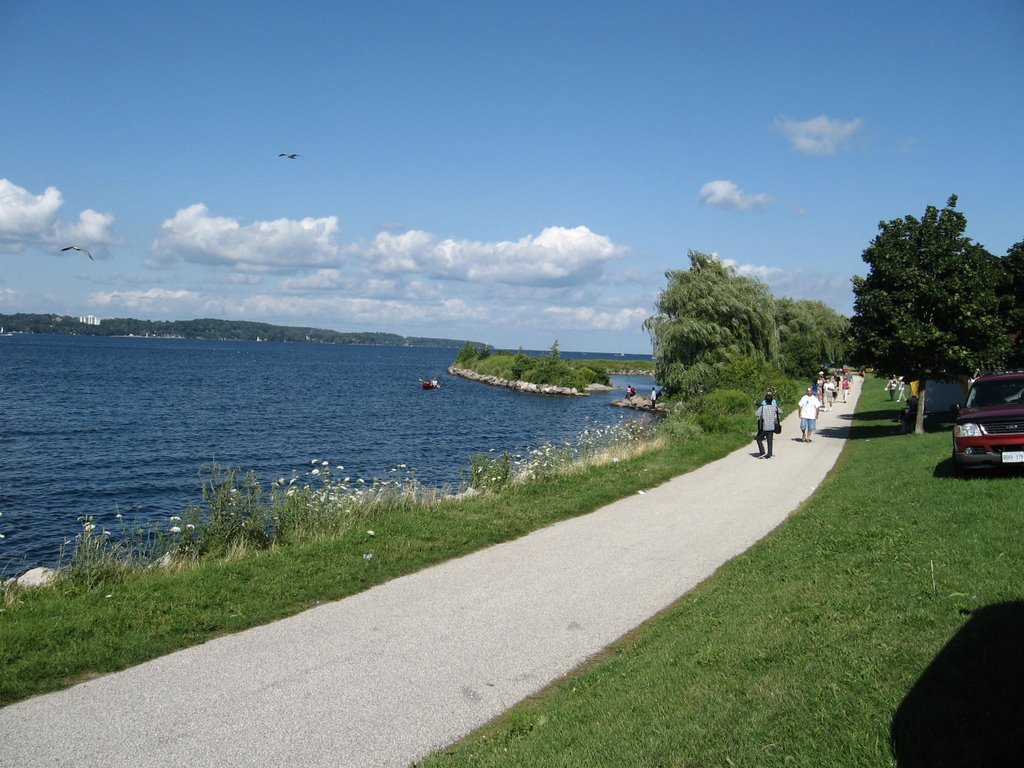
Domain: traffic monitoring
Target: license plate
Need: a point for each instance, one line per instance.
(1013, 457)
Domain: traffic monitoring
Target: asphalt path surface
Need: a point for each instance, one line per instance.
(387, 676)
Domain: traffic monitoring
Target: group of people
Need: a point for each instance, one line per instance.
(821, 395)
(896, 388)
(655, 392)
(827, 387)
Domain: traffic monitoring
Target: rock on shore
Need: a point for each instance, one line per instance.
(640, 403)
(518, 386)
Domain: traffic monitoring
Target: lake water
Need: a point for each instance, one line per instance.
(100, 426)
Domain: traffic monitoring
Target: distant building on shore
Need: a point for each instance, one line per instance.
(89, 320)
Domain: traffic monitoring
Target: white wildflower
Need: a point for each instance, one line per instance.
(175, 529)
(368, 556)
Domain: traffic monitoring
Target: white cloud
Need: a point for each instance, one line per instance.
(27, 219)
(152, 300)
(832, 288)
(588, 318)
(818, 136)
(321, 279)
(354, 312)
(727, 195)
(398, 253)
(91, 227)
(281, 245)
(557, 256)
(410, 282)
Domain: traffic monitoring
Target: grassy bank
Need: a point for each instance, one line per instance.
(114, 618)
(880, 625)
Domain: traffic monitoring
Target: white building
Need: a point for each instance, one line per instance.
(89, 320)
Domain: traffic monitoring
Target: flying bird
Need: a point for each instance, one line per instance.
(78, 248)
(289, 155)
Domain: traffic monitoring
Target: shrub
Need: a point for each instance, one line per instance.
(235, 515)
(680, 426)
(724, 401)
(488, 473)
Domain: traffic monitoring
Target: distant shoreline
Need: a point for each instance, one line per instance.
(209, 329)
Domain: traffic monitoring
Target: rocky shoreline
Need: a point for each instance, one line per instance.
(526, 386)
(641, 403)
(636, 403)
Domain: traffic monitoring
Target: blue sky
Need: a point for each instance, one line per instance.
(515, 173)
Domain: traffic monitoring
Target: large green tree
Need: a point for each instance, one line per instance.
(1013, 303)
(929, 306)
(707, 317)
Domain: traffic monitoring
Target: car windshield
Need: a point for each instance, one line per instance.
(995, 393)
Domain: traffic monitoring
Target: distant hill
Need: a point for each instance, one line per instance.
(206, 328)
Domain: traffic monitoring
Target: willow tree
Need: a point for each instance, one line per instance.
(810, 334)
(707, 317)
(929, 306)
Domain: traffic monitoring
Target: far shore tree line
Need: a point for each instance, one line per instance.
(934, 306)
(210, 328)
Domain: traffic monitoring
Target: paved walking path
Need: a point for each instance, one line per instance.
(389, 675)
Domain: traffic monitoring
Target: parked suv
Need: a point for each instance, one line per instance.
(989, 429)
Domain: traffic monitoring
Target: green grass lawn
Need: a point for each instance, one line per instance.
(880, 625)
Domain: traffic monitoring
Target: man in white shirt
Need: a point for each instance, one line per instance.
(809, 406)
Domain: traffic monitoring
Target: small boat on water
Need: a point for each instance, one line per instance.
(432, 384)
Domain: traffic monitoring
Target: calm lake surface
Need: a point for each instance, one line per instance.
(101, 426)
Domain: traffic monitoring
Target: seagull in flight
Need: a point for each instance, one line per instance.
(289, 155)
(78, 248)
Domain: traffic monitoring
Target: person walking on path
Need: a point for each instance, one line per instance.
(810, 407)
(768, 415)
